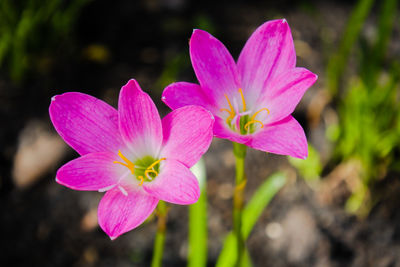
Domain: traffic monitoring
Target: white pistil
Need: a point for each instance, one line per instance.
(106, 188)
(123, 190)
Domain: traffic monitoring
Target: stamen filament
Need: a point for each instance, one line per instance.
(246, 126)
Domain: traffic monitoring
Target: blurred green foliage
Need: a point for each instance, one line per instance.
(338, 61)
(311, 167)
(31, 28)
(368, 102)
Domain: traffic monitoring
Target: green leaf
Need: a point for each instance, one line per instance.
(260, 201)
(228, 255)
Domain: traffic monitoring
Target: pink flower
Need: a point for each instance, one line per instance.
(133, 155)
(252, 99)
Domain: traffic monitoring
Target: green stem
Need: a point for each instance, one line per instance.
(238, 200)
(162, 210)
(197, 256)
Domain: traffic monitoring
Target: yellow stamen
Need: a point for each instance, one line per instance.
(127, 163)
(230, 112)
(231, 115)
(246, 126)
(230, 105)
(244, 102)
(141, 180)
(146, 173)
(155, 163)
(150, 169)
(255, 114)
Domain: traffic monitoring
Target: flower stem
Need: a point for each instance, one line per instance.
(162, 210)
(239, 151)
(197, 256)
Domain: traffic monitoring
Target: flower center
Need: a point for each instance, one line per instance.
(145, 169)
(240, 121)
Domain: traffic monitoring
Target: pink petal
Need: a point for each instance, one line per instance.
(86, 123)
(180, 94)
(285, 137)
(267, 53)
(214, 66)
(221, 130)
(175, 184)
(93, 171)
(119, 214)
(284, 92)
(139, 121)
(188, 132)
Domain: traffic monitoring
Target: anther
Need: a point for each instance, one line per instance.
(229, 103)
(127, 163)
(231, 111)
(255, 114)
(244, 102)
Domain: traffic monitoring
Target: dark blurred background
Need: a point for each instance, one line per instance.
(338, 208)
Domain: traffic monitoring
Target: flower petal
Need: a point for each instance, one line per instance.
(180, 94)
(188, 132)
(214, 66)
(221, 130)
(139, 121)
(119, 213)
(93, 171)
(175, 184)
(85, 123)
(285, 137)
(267, 52)
(284, 92)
